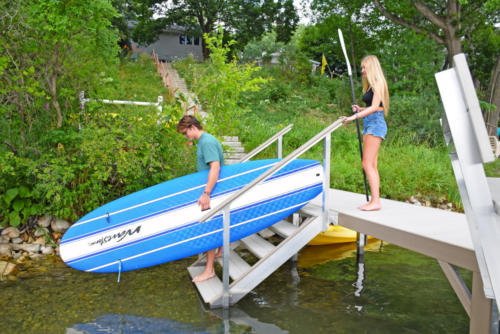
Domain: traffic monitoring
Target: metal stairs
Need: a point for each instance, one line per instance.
(308, 222)
(245, 276)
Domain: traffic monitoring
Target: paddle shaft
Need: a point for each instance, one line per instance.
(341, 37)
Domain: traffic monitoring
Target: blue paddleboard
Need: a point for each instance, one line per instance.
(161, 223)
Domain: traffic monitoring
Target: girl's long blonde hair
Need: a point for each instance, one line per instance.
(376, 80)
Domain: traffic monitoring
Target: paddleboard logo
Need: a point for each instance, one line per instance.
(117, 236)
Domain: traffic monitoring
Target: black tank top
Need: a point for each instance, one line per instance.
(368, 98)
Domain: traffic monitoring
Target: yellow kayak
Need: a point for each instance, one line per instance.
(335, 234)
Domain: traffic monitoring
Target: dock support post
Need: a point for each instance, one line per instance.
(225, 260)
(480, 318)
(326, 180)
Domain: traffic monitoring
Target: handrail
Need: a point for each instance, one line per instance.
(311, 142)
(265, 144)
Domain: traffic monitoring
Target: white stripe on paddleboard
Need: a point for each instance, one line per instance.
(194, 238)
(171, 195)
(186, 215)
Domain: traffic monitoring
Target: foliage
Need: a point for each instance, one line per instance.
(118, 150)
(244, 19)
(218, 85)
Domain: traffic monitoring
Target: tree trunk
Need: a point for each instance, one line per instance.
(493, 97)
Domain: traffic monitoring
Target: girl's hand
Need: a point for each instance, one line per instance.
(355, 108)
(346, 120)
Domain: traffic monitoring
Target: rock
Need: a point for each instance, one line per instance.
(35, 256)
(11, 232)
(40, 241)
(44, 221)
(7, 268)
(6, 249)
(16, 240)
(59, 225)
(41, 231)
(46, 250)
(4, 240)
(413, 199)
(30, 248)
(16, 255)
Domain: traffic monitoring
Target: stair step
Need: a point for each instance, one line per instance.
(229, 161)
(284, 228)
(232, 144)
(208, 289)
(233, 155)
(237, 266)
(230, 138)
(235, 149)
(260, 247)
(266, 233)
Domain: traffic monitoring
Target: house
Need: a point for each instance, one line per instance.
(173, 43)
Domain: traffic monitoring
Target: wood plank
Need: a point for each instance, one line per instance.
(266, 233)
(237, 266)
(208, 289)
(257, 245)
(284, 228)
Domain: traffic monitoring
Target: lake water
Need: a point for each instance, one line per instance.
(395, 291)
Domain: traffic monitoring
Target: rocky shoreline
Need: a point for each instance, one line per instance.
(36, 239)
(39, 238)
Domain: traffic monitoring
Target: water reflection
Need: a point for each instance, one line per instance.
(239, 317)
(124, 323)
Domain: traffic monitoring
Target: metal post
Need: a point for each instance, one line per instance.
(280, 147)
(326, 180)
(225, 253)
(160, 101)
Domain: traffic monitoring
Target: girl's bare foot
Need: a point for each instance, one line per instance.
(370, 206)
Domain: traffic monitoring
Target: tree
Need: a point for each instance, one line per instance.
(243, 19)
(454, 23)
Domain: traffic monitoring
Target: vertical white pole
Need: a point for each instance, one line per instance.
(326, 180)
(225, 260)
(280, 147)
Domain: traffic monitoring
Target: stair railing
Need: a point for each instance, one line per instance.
(225, 206)
(278, 136)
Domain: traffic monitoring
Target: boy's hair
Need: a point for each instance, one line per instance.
(186, 122)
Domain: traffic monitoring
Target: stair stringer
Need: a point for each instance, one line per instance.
(271, 262)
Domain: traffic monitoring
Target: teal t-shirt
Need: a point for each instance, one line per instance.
(208, 149)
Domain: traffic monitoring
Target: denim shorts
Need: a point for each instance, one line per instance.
(374, 124)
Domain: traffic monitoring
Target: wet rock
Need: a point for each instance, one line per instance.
(35, 256)
(42, 231)
(11, 232)
(30, 248)
(16, 255)
(4, 240)
(59, 225)
(7, 268)
(44, 221)
(16, 240)
(6, 249)
(46, 250)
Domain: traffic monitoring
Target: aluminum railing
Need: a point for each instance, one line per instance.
(225, 206)
(278, 136)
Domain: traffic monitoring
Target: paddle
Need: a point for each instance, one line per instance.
(341, 37)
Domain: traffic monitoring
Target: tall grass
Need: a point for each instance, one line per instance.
(408, 167)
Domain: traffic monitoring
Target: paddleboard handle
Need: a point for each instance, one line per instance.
(107, 217)
(119, 270)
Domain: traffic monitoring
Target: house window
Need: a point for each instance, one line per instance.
(196, 41)
(182, 40)
(189, 40)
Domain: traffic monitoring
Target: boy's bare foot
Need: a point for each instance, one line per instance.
(203, 277)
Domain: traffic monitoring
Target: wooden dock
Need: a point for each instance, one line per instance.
(441, 234)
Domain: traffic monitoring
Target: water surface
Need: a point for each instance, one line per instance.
(395, 291)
